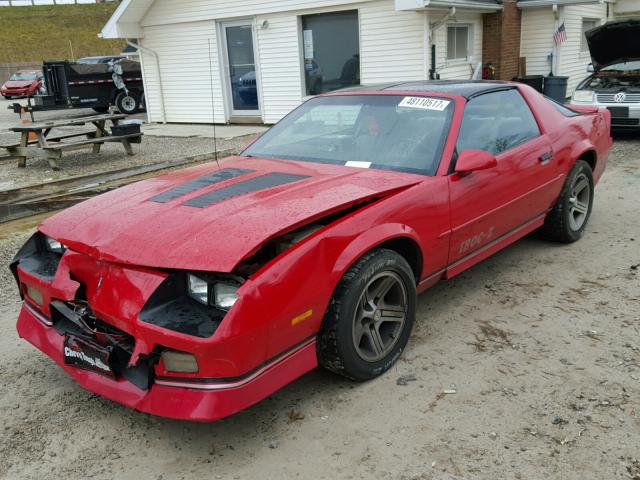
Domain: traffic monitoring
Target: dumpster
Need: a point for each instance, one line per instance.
(556, 88)
(534, 81)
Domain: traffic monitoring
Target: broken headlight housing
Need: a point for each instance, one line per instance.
(192, 303)
(220, 294)
(40, 256)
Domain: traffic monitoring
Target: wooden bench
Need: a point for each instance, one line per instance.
(126, 141)
(54, 152)
(51, 147)
(57, 138)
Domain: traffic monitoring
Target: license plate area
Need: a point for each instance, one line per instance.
(619, 112)
(87, 355)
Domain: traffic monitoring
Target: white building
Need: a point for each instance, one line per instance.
(540, 18)
(266, 56)
(254, 61)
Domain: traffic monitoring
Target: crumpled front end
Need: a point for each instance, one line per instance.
(106, 325)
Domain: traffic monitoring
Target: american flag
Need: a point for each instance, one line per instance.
(560, 35)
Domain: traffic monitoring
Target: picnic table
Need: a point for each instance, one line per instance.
(51, 147)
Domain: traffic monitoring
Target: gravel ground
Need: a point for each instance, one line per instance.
(151, 150)
(542, 342)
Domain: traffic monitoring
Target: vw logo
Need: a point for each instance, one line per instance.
(620, 97)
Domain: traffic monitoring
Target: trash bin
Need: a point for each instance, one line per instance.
(534, 81)
(556, 88)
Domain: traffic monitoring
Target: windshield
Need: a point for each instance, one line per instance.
(623, 67)
(378, 131)
(23, 76)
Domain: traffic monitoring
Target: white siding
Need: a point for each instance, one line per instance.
(458, 69)
(393, 47)
(571, 61)
(536, 41)
(626, 8)
(165, 12)
(538, 26)
(392, 44)
(280, 67)
(183, 50)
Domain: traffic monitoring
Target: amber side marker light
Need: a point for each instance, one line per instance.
(301, 318)
(179, 362)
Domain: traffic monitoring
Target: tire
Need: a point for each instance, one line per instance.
(128, 103)
(101, 109)
(568, 218)
(347, 342)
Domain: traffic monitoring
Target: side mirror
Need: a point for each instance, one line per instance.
(474, 160)
(590, 68)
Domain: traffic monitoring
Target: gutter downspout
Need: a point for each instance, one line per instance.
(157, 59)
(433, 26)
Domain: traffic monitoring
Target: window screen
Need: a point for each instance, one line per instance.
(331, 51)
(496, 122)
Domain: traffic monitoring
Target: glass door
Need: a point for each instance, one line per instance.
(241, 68)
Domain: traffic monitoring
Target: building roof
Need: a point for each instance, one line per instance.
(547, 3)
(125, 21)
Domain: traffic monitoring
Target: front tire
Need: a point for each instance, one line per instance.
(370, 317)
(128, 103)
(568, 219)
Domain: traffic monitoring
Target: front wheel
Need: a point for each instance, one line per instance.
(569, 216)
(369, 319)
(128, 103)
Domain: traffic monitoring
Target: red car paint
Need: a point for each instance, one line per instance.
(121, 247)
(22, 88)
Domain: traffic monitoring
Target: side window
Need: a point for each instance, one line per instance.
(496, 122)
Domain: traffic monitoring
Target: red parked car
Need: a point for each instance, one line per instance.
(23, 83)
(196, 294)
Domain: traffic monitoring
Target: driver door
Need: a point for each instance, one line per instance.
(488, 205)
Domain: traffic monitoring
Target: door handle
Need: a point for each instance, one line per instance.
(545, 157)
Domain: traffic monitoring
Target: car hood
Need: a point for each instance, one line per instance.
(614, 42)
(19, 83)
(210, 217)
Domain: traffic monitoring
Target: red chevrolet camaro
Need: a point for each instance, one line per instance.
(196, 294)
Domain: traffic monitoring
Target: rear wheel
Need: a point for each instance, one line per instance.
(128, 103)
(370, 317)
(569, 217)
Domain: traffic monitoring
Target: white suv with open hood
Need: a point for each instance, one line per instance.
(615, 81)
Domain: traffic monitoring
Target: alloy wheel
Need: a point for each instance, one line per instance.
(579, 202)
(380, 316)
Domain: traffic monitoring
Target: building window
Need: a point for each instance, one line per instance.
(458, 42)
(331, 51)
(587, 24)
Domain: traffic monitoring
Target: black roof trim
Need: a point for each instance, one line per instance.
(464, 88)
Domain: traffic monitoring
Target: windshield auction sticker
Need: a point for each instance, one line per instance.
(426, 103)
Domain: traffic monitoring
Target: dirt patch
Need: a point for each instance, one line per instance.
(554, 392)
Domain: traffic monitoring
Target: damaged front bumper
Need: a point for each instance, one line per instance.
(202, 401)
(87, 315)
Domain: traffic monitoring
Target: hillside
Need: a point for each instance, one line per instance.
(33, 34)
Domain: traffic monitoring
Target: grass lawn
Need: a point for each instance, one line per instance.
(48, 32)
